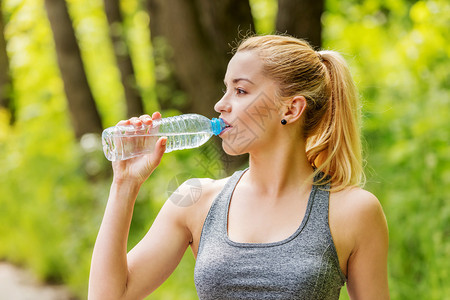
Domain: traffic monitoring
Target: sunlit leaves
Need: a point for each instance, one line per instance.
(52, 188)
(399, 53)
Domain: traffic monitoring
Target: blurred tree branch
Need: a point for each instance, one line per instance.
(82, 108)
(117, 33)
(6, 90)
(301, 18)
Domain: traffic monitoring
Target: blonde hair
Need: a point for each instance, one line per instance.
(331, 127)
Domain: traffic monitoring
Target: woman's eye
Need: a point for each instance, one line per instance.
(240, 91)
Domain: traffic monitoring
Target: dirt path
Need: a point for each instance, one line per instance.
(17, 284)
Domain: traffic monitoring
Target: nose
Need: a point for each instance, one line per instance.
(222, 105)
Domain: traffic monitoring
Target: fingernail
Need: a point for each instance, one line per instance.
(164, 141)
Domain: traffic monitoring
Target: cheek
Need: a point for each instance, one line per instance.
(262, 112)
(240, 138)
(250, 130)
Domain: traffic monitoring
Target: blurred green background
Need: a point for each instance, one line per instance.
(54, 187)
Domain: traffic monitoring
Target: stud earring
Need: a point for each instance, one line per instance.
(283, 122)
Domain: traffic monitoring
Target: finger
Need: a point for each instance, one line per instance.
(136, 121)
(163, 143)
(145, 116)
(160, 148)
(156, 115)
(124, 122)
(146, 119)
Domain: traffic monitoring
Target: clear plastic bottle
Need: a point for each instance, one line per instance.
(182, 132)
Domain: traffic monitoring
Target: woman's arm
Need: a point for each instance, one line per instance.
(367, 264)
(114, 274)
(109, 268)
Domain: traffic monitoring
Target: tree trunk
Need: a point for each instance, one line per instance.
(82, 108)
(191, 41)
(302, 19)
(117, 34)
(6, 91)
(196, 35)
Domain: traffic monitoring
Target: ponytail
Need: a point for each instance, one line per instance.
(335, 146)
(331, 124)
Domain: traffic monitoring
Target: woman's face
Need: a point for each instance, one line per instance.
(249, 105)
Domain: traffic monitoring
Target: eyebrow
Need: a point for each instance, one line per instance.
(236, 80)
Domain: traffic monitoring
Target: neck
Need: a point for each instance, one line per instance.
(279, 170)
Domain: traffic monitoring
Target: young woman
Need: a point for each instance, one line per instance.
(294, 225)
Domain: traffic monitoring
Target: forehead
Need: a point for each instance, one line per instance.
(245, 64)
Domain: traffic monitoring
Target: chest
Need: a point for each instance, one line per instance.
(257, 220)
(280, 270)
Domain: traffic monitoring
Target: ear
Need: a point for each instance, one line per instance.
(294, 109)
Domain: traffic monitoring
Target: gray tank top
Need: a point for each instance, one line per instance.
(302, 266)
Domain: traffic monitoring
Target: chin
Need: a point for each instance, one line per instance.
(234, 149)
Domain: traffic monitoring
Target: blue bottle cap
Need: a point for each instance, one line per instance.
(218, 125)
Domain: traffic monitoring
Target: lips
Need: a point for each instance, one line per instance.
(228, 126)
(226, 122)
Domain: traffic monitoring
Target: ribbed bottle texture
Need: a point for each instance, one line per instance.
(182, 132)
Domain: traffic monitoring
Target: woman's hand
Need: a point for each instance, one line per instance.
(137, 170)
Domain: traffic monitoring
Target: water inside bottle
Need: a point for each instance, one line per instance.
(179, 141)
(124, 146)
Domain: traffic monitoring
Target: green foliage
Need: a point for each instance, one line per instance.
(399, 52)
(264, 14)
(54, 188)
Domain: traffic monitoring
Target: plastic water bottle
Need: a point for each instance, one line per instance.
(182, 132)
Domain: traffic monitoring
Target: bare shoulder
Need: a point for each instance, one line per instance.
(196, 191)
(192, 201)
(356, 202)
(356, 221)
(359, 229)
(194, 196)
(358, 211)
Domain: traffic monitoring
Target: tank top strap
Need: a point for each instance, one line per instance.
(225, 195)
(216, 219)
(320, 226)
(319, 209)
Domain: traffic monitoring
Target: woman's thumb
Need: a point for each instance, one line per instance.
(161, 144)
(160, 148)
